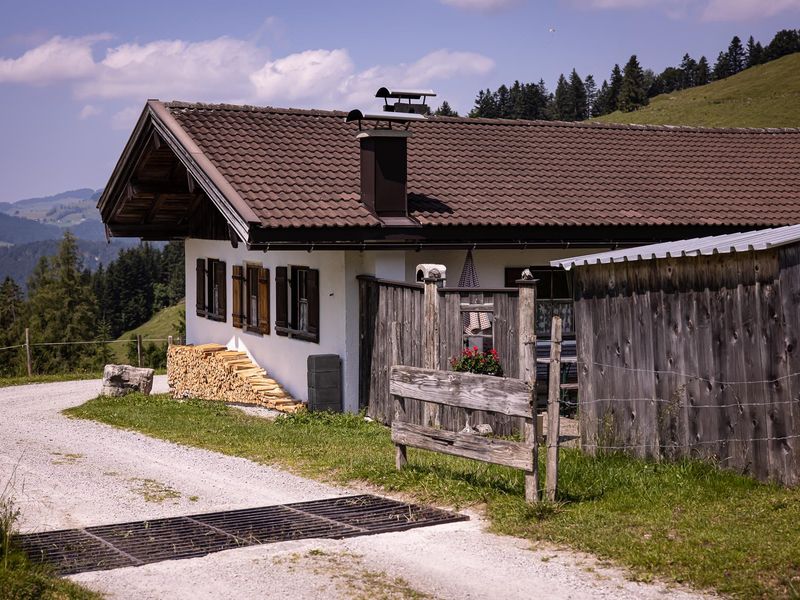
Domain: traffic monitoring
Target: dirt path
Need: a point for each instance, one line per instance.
(69, 473)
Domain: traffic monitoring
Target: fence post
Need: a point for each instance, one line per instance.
(527, 372)
(169, 340)
(430, 343)
(553, 409)
(28, 351)
(139, 348)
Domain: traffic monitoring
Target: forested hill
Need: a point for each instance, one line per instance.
(764, 96)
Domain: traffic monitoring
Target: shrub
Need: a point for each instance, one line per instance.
(473, 360)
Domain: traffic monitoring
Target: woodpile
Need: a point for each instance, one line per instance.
(212, 372)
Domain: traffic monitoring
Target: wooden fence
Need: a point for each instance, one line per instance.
(697, 356)
(398, 327)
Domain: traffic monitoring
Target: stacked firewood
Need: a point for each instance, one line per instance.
(212, 372)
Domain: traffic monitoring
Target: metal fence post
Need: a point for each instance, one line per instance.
(139, 348)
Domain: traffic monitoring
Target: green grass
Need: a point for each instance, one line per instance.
(164, 323)
(685, 522)
(22, 580)
(764, 96)
(51, 378)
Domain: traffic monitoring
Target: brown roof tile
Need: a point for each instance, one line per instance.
(300, 168)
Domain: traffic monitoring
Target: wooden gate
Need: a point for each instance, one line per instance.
(399, 327)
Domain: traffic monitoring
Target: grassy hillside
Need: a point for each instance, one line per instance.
(165, 322)
(763, 96)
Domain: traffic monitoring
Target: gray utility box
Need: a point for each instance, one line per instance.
(325, 382)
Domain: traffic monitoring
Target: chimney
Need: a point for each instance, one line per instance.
(384, 153)
(384, 171)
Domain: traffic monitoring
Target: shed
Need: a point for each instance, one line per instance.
(691, 348)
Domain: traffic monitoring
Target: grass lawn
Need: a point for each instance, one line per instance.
(764, 96)
(164, 323)
(685, 522)
(25, 380)
(22, 580)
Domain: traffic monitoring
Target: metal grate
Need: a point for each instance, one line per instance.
(131, 544)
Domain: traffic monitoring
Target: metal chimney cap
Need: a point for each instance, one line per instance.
(399, 117)
(385, 92)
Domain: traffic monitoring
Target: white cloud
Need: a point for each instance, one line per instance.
(481, 5)
(708, 10)
(743, 10)
(126, 118)
(211, 70)
(309, 75)
(225, 70)
(434, 67)
(89, 110)
(56, 59)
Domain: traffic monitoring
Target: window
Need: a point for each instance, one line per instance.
(210, 289)
(553, 297)
(297, 302)
(251, 298)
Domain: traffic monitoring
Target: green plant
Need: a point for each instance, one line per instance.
(473, 360)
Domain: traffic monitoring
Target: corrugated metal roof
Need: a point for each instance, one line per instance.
(761, 239)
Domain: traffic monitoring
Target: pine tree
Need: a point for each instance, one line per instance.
(736, 56)
(577, 96)
(702, 73)
(590, 89)
(614, 85)
(12, 327)
(62, 308)
(503, 102)
(445, 111)
(754, 52)
(601, 102)
(688, 71)
(485, 105)
(632, 94)
(786, 41)
(563, 106)
(722, 67)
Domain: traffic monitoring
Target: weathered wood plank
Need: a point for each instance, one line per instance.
(467, 445)
(465, 390)
(553, 410)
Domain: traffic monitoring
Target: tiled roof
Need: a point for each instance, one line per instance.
(300, 168)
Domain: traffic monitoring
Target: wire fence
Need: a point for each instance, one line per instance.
(138, 342)
(749, 425)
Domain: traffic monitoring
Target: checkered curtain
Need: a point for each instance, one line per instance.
(474, 323)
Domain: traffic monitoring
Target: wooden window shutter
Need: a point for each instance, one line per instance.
(200, 287)
(281, 301)
(238, 294)
(312, 291)
(222, 289)
(263, 301)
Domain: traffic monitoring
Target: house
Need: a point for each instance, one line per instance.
(691, 348)
(282, 209)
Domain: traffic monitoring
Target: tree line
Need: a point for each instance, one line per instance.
(68, 303)
(626, 89)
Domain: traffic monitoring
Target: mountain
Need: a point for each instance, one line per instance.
(16, 230)
(66, 209)
(19, 261)
(767, 95)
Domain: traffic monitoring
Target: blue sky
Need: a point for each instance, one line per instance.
(74, 75)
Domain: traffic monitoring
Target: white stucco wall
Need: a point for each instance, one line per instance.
(285, 358)
(489, 264)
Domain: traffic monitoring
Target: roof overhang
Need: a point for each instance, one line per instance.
(160, 181)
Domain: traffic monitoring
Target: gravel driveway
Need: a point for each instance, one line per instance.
(69, 473)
